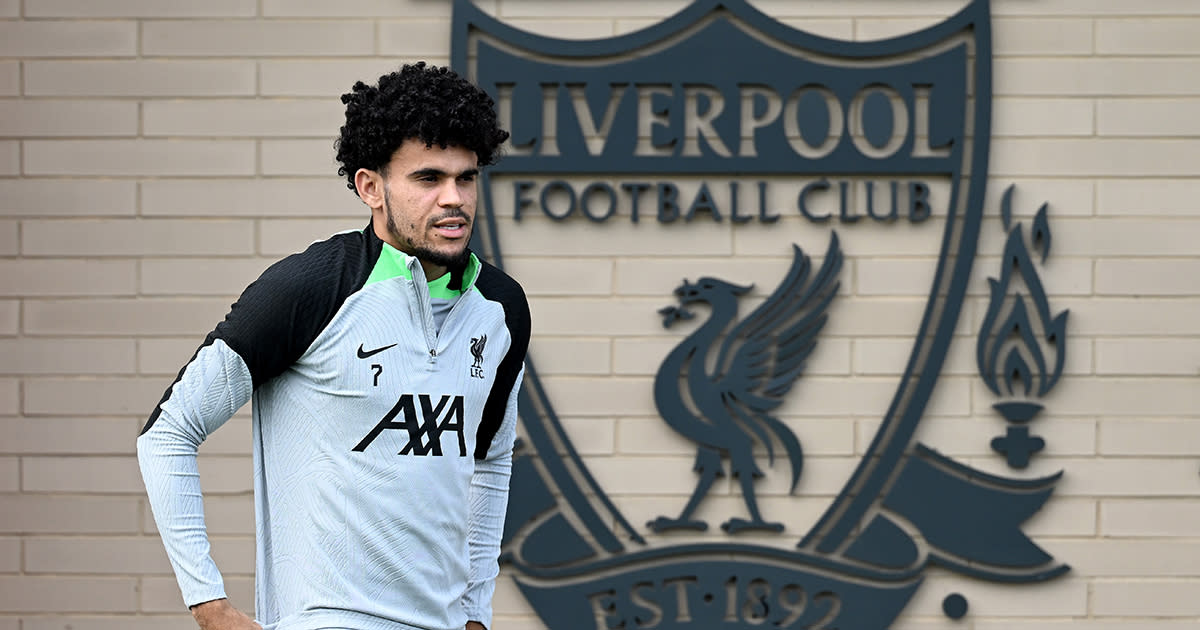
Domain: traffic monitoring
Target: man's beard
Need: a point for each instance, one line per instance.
(451, 261)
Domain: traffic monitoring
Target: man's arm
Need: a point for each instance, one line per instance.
(489, 501)
(209, 390)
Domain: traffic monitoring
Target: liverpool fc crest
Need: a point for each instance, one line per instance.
(726, 133)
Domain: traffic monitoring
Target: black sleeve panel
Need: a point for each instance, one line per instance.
(279, 315)
(497, 286)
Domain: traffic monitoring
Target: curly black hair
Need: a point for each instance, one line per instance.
(428, 103)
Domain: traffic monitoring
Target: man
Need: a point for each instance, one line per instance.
(384, 366)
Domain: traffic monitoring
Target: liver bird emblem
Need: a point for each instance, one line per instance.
(725, 405)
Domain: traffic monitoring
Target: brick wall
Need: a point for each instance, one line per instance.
(155, 156)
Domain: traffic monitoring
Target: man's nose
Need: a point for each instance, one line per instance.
(450, 196)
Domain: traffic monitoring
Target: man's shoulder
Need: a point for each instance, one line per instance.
(494, 284)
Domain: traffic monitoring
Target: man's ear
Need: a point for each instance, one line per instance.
(369, 185)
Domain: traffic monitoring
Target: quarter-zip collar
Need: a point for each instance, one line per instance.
(394, 263)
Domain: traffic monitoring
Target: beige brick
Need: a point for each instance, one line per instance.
(1013, 117)
(1063, 597)
(415, 38)
(10, 474)
(139, 157)
(10, 157)
(1011, 36)
(300, 157)
(379, 8)
(599, 397)
(1125, 396)
(1164, 36)
(1143, 198)
(571, 356)
(112, 555)
(784, 9)
(10, 78)
(176, 77)
(1099, 7)
(1127, 558)
(67, 197)
(899, 240)
(10, 396)
(885, 317)
(1158, 598)
(138, 9)
(1147, 437)
(1094, 77)
(658, 277)
(24, 277)
(574, 29)
(251, 197)
(257, 118)
(591, 436)
(125, 622)
(166, 356)
(10, 317)
(912, 277)
(577, 276)
(199, 276)
(594, 316)
(32, 514)
(70, 435)
(43, 594)
(10, 558)
(1161, 518)
(132, 237)
(94, 396)
(1132, 316)
(535, 236)
(1125, 477)
(68, 39)
(67, 356)
(874, 357)
(1145, 623)
(9, 238)
(1146, 117)
(81, 474)
(151, 316)
(1065, 197)
(328, 78)
(961, 437)
(1101, 157)
(1124, 237)
(1063, 516)
(659, 475)
(10, 8)
(33, 118)
(160, 595)
(252, 38)
(648, 436)
(1145, 357)
(1131, 276)
(286, 236)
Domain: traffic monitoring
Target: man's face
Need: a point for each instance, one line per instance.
(429, 202)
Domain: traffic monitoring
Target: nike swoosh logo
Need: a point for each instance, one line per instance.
(363, 354)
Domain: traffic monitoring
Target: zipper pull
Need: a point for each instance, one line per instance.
(432, 353)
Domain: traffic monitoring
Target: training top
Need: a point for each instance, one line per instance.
(382, 440)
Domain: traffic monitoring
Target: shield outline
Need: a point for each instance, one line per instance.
(892, 442)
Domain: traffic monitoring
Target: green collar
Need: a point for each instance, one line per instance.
(394, 263)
